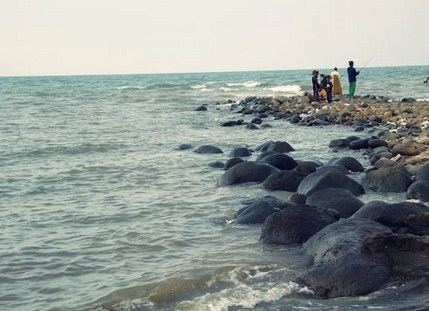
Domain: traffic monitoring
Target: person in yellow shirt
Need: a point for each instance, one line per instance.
(335, 76)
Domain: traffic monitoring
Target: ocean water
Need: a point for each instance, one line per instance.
(101, 211)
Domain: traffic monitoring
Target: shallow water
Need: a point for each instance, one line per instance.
(100, 211)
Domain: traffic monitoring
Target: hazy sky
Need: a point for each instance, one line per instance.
(48, 37)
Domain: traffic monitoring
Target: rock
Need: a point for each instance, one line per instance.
(208, 149)
(295, 224)
(258, 210)
(405, 148)
(419, 190)
(341, 268)
(339, 143)
(264, 154)
(201, 108)
(307, 167)
(350, 163)
(246, 172)
(231, 162)
(284, 180)
(240, 152)
(400, 217)
(422, 172)
(280, 146)
(281, 161)
(387, 179)
(298, 198)
(407, 254)
(251, 126)
(341, 200)
(329, 178)
(359, 144)
(375, 143)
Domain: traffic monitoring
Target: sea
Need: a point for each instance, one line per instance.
(100, 210)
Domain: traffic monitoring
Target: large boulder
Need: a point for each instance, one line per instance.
(295, 224)
(339, 143)
(339, 199)
(246, 172)
(350, 163)
(329, 178)
(407, 254)
(284, 181)
(341, 267)
(403, 217)
(257, 211)
(277, 146)
(307, 167)
(422, 172)
(281, 161)
(240, 152)
(394, 178)
(419, 190)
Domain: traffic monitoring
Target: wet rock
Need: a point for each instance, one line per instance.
(281, 161)
(359, 144)
(400, 217)
(350, 163)
(217, 164)
(240, 152)
(257, 211)
(375, 143)
(422, 172)
(307, 167)
(279, 146)
(419, 190)
(341, 200)
(231, 162)
(246, 172)
(298, 198)
(407, 254)
(284, 181)
(184, 147)
(251, 126)
(201, 108)
(341, 267)
(405, 148)
(329, 178)
(208, 149)
(339, 143)
(387, 179)
(295, 224)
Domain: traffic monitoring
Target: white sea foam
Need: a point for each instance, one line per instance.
(131, 87)
(248, 84)
(199, 87)
(288, 89)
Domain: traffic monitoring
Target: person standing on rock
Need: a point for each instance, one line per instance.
(316, 85)
(335, 76)
(352, 73)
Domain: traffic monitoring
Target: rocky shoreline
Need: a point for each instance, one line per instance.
(354, 247)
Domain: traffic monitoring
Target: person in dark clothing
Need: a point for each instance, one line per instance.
(316, 85)
(426, 81)
(326, 88)
(352, 73)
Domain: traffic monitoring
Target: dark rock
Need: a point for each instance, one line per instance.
(359, 144)
(407, 254)
(266, 125)
(375, 143)
(341, 200)
(258, 210)
(231, 162)
(387, 179)
(252, 126)
(339, 143)
(201, 108)
(295, 119)
(265, 154)
(280, 146)
(240, 152)
(341, 268)
(205, 149)
(340, 168)
(419, 190)
(359, 129)
(295, 224)
(298, 198)
(281, 161)
(283, 180)
(307, 167)
(246, 172)
(400, 217)
(256, 120)
(422, 172)
(329, 178)
(350, 163)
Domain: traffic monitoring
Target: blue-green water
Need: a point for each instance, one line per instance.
(100, 211)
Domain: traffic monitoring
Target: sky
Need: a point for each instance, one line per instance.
(73, 37)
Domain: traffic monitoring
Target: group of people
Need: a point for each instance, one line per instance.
(330, 85)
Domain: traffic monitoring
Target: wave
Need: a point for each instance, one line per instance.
(248, 84)
(291, 89)
(132, 88)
